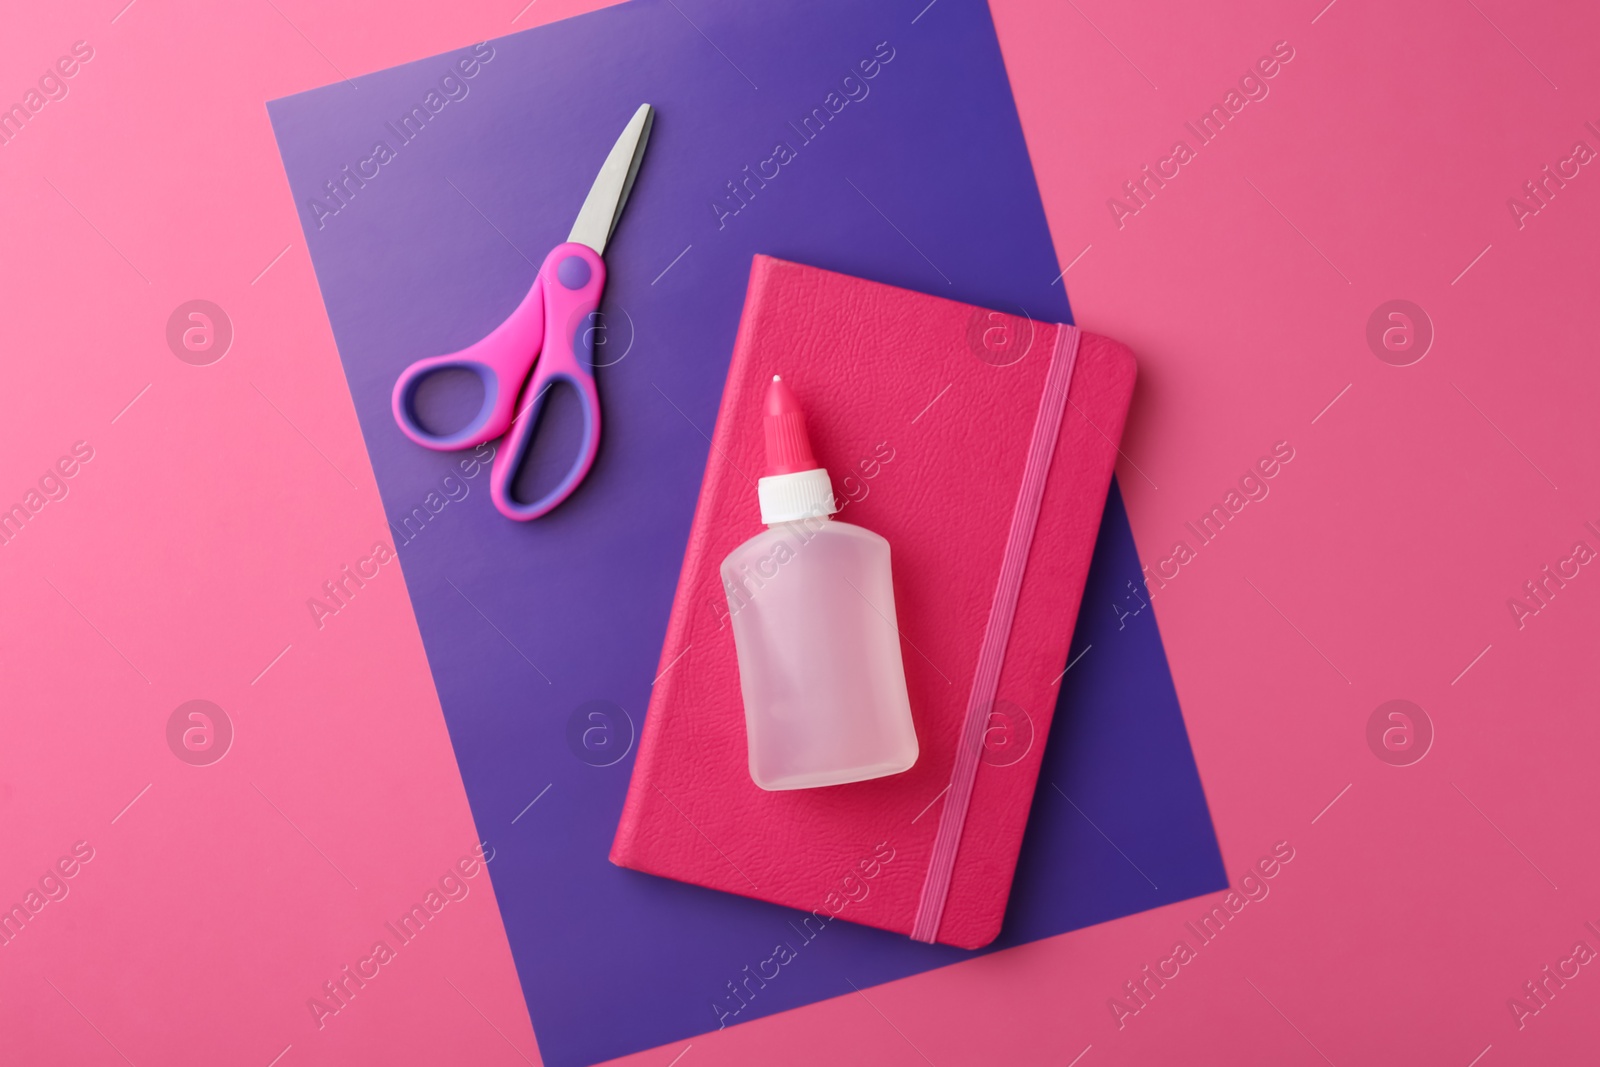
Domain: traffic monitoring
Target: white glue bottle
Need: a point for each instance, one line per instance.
(812, 607)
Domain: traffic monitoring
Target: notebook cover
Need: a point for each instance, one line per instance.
(922, 410)
(431, 254)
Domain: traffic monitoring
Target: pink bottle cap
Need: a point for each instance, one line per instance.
(788, 447)
(795, 486)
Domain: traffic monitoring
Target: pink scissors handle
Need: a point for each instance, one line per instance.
(573, 277)
(551, 334)
(501, 361)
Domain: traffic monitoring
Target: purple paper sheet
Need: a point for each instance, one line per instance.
(918, 177)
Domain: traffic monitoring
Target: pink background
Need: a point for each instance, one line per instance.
(1379, 568)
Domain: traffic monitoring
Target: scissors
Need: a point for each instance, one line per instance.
(552, 327)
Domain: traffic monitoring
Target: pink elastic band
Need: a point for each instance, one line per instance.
(996, 634)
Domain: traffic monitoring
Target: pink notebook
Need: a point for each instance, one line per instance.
(981, 446)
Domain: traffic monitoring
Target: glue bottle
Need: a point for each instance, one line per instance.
(811, 602)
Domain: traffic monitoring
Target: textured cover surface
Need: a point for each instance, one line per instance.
(921, 409)
(531, 629)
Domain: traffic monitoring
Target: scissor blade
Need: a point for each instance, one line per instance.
(603, 206)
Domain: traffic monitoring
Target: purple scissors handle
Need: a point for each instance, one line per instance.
(551, 334)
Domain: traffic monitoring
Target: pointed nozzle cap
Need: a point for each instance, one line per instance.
(795, 487)
(788, 447)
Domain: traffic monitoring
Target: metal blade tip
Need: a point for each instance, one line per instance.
(603, 207)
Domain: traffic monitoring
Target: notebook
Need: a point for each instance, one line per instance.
(923, 410)
(430, 255)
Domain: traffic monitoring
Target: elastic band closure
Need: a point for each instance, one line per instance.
(996, 635)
